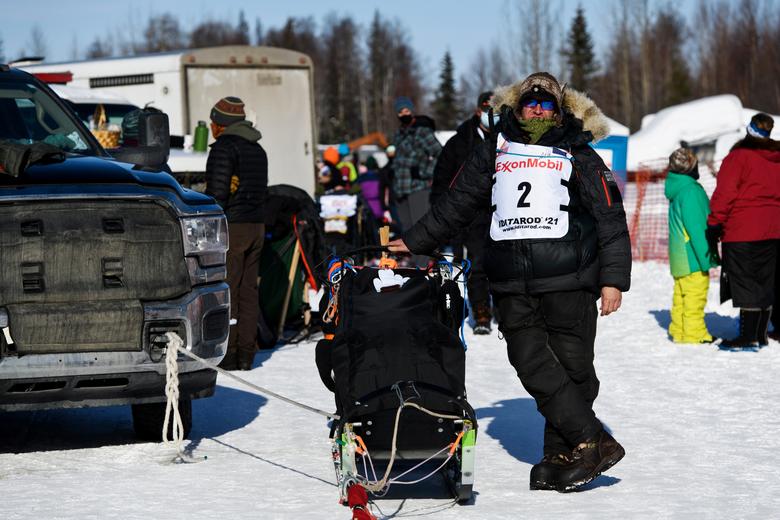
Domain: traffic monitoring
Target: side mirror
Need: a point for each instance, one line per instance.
(153, 139)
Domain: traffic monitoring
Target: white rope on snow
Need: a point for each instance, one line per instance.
(175, 346)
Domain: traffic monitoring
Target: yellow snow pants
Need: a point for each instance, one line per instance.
(690, 297)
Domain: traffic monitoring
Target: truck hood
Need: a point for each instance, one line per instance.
(79, 169)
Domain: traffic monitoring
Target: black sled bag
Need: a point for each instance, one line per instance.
(392, 345)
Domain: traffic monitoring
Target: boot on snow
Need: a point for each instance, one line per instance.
(483, 317)
(752, 331)
(589, 460)
(544, 475)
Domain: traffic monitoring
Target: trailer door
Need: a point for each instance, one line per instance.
(278, 101)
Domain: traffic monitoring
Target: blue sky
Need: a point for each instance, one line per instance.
(434, 26)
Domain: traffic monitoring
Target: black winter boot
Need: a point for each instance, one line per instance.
(749, 322)
(483, 317)
(230, 361)
(544, 475)
(763, 327)
(589, 460)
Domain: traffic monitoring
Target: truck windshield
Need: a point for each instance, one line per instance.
(29, 115)
(115, 113)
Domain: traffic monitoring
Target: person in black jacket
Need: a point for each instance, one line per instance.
(470, 134)
(558, 239)
(237, 177)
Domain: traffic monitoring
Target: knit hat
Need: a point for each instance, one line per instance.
(682, 160)
(403, 102)
(484, 100)
(761, 126)
(330, 155)
(541, 85)
(227, 111)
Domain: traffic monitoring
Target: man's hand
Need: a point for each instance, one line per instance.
(398, 246)
(611, 299)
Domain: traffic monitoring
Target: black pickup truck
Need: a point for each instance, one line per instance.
(99, 258)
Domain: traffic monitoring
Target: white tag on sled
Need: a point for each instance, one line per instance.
(530, 197)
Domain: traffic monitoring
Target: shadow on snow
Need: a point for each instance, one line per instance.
(719, 326)
(78, 428)
(519, 427)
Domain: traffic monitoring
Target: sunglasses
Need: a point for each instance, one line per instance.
(546, 105)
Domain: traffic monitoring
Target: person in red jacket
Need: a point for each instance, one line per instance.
(745, 217)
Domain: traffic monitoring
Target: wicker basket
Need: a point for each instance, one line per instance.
(106, 137)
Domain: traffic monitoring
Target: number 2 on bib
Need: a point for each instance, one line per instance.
(525, 188)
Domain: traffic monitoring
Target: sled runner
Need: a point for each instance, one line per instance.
(392, 356)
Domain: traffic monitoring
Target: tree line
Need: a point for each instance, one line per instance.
(653, 57)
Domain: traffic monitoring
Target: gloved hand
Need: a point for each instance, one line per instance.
(713, 235)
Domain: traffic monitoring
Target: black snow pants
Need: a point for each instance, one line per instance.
(750, 267)
(550, 339)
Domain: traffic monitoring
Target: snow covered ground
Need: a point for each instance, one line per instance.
(700, 428)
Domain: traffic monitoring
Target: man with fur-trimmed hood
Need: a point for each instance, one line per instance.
(558, 239)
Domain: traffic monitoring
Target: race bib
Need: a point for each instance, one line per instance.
(530, 194)
(338, 205)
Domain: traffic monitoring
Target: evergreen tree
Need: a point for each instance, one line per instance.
(579, 55)
(259, 36)
(445, 104)
(2, 56)
(242, 29)
(679, 88)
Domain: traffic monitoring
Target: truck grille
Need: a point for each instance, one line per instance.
(73, 274)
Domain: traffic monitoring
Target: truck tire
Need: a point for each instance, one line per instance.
(148, 420)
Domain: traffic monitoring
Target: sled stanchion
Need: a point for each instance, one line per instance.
(384, 238)
(290, 283)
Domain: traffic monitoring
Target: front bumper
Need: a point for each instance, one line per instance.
(104, 390)
(119, 377)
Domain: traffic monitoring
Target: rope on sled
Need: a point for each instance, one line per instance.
(379, 485)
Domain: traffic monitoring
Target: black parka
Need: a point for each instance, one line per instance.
(596, 251)
(454, 155)
(237, 153)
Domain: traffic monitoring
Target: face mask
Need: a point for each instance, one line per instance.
(485, 120)
(405, 120)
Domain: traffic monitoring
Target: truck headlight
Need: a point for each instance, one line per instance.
(206, 238)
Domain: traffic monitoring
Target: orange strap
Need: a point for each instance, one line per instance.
(388, 263)
(361, 447)
(456, 443)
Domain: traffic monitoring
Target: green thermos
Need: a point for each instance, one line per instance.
(201, 137)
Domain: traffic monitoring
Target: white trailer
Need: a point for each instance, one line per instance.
(275, 84)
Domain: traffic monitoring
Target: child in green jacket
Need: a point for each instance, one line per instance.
(689, 255)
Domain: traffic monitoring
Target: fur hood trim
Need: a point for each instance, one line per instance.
(576, 103)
